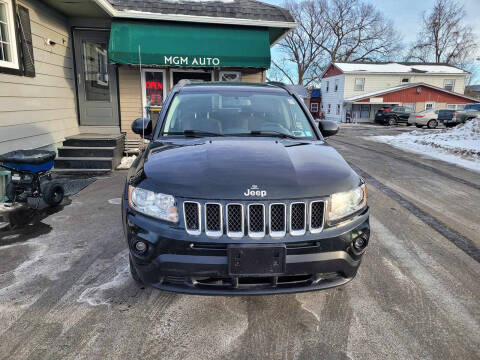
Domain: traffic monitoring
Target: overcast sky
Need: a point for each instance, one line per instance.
(407, 14)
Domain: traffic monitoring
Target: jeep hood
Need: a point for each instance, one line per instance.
(225, 168)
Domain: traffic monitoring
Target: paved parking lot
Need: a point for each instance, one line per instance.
(66, 292)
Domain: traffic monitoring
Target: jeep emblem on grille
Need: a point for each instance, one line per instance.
(255, 191)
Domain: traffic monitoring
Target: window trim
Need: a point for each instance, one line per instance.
(355, 84)
(311, 107)
(430, 102)
(445, 86)
(12, 67)
(329, 108)
(338, 109)
(144, 88)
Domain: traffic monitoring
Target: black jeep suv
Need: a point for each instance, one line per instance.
(238, 193)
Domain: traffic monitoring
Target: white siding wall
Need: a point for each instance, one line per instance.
(375, 82)
(40, 111)
(333, 97)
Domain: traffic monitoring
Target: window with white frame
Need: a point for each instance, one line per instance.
(429, 106)
(328, 109)
(230, 76)
(455, 106)
(449, 84)
(336, 85)
(359, 84)
(314, 107)
(338, 109)
(327, 85)
(409, 107)
(8, 44)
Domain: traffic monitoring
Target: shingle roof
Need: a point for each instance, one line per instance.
(237, 9)
(399, 68)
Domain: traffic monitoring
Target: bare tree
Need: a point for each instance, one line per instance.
(332, 31)
(444, 37)
(301, 58)
(352, 30)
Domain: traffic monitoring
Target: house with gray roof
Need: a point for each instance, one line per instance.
(70, 69)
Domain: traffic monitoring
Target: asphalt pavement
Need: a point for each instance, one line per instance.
(66, 292)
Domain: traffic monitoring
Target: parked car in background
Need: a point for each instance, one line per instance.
(393, 115)
(469, 112)
(445, 116)
(426, 117)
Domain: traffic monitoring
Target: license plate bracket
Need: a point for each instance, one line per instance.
(259, 260)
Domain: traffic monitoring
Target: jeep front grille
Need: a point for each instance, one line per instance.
(191, 213)
(298, 217)
(255, 220)
(213, 220)
(235, 221)
(278, 221)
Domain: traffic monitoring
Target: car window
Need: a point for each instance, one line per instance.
(237, 112)
(472, 107)
(398, 109)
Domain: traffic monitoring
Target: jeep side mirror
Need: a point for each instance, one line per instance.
(328, 127)
(142, 127)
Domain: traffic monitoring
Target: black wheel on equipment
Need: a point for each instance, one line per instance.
(53, 193)
(134, 273)
(11, 191)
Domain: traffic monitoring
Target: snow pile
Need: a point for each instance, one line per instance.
(126, 162)
(459, 145)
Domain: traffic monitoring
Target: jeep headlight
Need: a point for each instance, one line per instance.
(347, 203)
(158, 205)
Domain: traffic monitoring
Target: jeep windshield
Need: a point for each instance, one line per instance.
(236, 113)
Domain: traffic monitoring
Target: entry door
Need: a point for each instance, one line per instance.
(96, 79)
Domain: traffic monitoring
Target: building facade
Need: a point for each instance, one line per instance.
(342, 82)
(94, 66)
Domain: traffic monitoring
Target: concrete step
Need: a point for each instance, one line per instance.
(80, 171)
(85, 163)
(92, 142)
(86, 151)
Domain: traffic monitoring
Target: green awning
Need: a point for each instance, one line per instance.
(188, 45)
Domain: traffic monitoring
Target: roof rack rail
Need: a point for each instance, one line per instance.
(182, 83)
(280, 85)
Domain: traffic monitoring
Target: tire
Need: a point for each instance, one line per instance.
(53, 193)
(432, 124)
(392, 121)
(419, 126)
(11, 191)
(134, 273)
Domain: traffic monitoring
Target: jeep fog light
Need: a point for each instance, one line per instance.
(347, 203)
(158, 205)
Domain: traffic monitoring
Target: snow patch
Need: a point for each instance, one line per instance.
(459, 145)
(115, 201)
(126, 162)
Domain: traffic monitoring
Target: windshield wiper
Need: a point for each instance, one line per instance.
(193, 133)
(271, 133)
